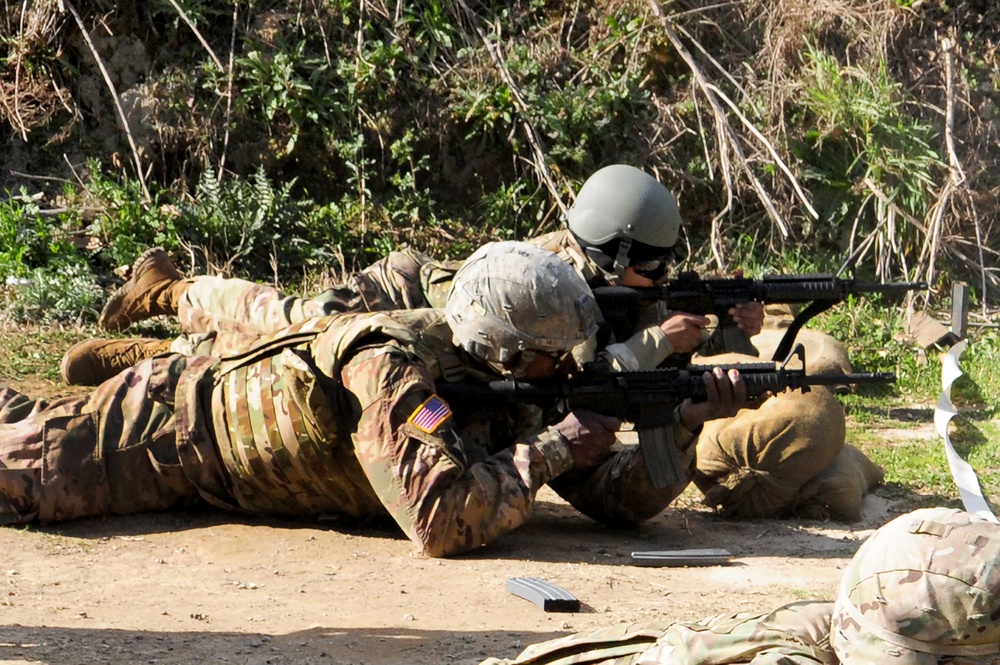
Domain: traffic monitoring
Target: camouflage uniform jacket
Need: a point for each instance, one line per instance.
(795, 634)
(338, 417)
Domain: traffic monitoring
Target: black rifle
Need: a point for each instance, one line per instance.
(647, 399)
(621, 305)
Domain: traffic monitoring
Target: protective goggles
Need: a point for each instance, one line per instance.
(655, 268)
(519, 363)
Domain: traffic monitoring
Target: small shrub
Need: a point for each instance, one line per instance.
(253, 228)
(126, 223)
(58, 293)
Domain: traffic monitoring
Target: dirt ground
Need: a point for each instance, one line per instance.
(214, 587)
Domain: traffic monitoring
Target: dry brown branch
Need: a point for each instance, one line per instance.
(950, 247)
(957, 183)
(229, 92)
(140, 173)
(194, 29)
(23, 89)
(774, 155)
(17, 79)
(751, 128)
(727, 139)
(539, 161)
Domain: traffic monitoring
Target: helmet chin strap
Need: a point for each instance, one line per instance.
(621, 261)
(606, 263)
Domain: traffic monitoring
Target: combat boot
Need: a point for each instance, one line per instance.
(93, 361)
(153, 289)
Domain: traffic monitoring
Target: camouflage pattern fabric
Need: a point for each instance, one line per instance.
(796, 634)
(563, 244)
(297, 444)
(399, 281)
(318, 420)
(113, 451)
(402, 280)
(922, 590)
(14, 406)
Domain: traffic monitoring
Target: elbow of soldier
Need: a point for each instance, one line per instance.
(437, 545)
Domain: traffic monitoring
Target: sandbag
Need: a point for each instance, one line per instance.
(754, 464)
(838, 491)
(824, 353)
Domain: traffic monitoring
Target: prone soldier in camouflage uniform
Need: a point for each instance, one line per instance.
(922, 590)
(337, 416)
(622, 229)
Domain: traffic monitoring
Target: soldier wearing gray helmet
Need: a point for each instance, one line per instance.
(922, 590)
(622, 229)
(338, 417)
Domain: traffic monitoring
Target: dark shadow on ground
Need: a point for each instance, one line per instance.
(326, 646)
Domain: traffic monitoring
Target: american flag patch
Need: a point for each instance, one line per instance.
(429, 415)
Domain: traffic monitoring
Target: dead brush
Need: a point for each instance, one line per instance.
(29, 95)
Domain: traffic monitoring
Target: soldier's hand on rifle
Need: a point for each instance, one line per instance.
(685, 331)
(590, 436)
(749, 317)
(727, 394)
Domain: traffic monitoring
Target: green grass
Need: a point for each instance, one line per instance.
(904, 442)
(35, 352)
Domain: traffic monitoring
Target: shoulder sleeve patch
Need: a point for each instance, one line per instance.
(430, 415)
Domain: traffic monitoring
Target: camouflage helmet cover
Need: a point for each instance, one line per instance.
(922, 587)
(512, 296)
(621, 202)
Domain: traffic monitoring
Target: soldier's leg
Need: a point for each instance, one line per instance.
(222, 304)
(393, 282)
(113, 451)
(235, 305)
(92, 362)
(15, 407)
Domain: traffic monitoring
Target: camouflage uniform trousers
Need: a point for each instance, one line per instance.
(236, 305)
(111, 452)
(402, 280)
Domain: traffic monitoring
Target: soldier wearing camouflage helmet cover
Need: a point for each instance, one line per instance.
(337, 417)
(621, 230)
(922, 590)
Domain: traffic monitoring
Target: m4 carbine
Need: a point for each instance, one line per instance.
(648, 399)
(621, 305)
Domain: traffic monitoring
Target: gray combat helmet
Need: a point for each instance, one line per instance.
(622, 216)
(511, 296)
(921, 589)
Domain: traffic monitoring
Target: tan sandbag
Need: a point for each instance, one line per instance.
(824, 353)
(838, 491)
(754, 464)
(779, 315)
